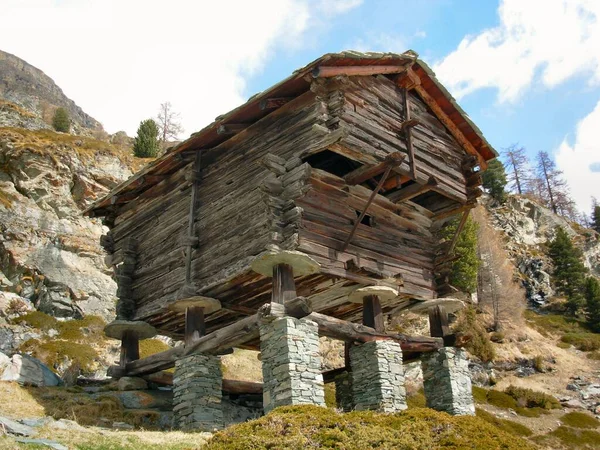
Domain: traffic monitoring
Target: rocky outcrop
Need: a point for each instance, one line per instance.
(49, 253)
(26, 86)
(528, 226)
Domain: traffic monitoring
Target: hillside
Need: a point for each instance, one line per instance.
(32, 90)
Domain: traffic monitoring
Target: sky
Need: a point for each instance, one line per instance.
(526, 72)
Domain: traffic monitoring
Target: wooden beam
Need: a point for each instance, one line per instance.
(450, 125)
(334, 71)
(372, 314)
(409, 123)
(192, 215)
(130, 348)
(408, 79)
(461, 225)
(366, 172)
(362, 214)
(231, 128)
(412, 191)
(274, 102)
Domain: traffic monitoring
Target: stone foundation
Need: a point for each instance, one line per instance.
(378, 376)
(343, 392)
(197, 385)
(447, 382)
(291, 363)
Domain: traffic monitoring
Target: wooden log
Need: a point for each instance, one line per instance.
(408, 79)
(284, 287)
(459, 229)
(412, 191)
(192, 216)
(334, 71)
(195, 327)
(372, 314)
(408, 136)
(366, 172)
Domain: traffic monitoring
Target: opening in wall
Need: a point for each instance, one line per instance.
(332, 162)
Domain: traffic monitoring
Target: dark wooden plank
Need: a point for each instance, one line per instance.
(438, 322)
(130, 348)
(195, 327)
(284, 287)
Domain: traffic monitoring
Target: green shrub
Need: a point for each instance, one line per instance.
(532, 399)
(301, 427)
(479, 394)
(594, 355)
(61, 121)
(479, 344)
(416, 400)
(580, 420)
(563, 345)
(514, 428)
(530, 412)
(574, 437)
(586, 342)
(39, 320)
(548, 324)
(53, 353)
(501, 399)
(464, 270)
(330, 395)
(538, 363)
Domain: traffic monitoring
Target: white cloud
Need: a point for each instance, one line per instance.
(546, 41)
(120, 59)
(578, 160)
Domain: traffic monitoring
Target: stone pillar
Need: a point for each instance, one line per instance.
(197, 386)
(446, 381)
(291, 363)
(343, 392)
(378, 376)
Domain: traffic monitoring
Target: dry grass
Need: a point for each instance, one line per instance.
(242, 365)
(8, 106)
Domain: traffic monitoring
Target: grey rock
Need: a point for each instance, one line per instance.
(37, 422)
(572, 387)
(45, 443)
(573, 403)
(122, 426)
(132, 384)
(28, 370)
(65, 424)
(56, 301)
(16, 428)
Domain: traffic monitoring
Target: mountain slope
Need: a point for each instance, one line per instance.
(27, 86)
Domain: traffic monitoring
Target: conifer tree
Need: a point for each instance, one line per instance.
(145, 144)
(61, 121)
(464, 270)
(569, 271)
(494, 180)
(517, 164)
(592, 303)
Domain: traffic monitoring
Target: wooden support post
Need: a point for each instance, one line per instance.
(461, 225)
(195, 327)
(192, 216)
(130, 348)
(284, 286)
(408, 135)
(372, 315)
(438, 322)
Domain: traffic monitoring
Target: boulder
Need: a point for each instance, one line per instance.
(30, 371)
(159, 400)
(132, 384)
(56, 301)
(16, 428)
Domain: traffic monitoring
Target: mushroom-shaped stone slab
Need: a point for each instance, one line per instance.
(451, 305)
(300, 262)
(383, 292)
(117, 328)
(187, 298)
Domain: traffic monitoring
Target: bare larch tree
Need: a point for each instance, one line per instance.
(517, 165)
(169, 123)
(555, 187)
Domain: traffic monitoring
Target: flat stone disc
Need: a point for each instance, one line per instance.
(300, 262)
(209, 304)
(117, 328)
(383, 292)
(451, 305)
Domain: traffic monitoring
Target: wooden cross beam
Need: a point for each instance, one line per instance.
(412, 191)
(367, 172)
(273, 103)
(231, 128)
(334, 71)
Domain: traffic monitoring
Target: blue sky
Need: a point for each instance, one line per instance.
(527, 72)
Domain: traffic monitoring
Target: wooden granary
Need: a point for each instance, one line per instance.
(333, 180)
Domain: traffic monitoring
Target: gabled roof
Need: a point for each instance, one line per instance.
(439, 99)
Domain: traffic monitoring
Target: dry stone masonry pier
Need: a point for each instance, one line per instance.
(197, 387)
(291, 363)
(378, 376)
(314, 209)
(447, 382)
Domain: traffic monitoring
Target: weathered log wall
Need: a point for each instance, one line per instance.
(255, 190)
